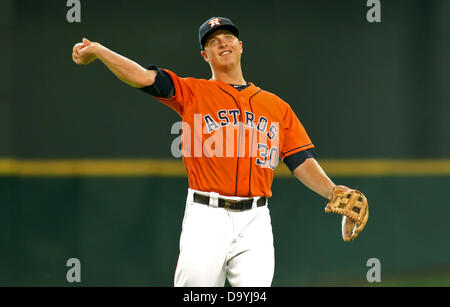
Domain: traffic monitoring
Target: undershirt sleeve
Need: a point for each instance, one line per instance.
(162, 87)
(295, 160)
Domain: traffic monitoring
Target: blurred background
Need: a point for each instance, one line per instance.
(86, 169)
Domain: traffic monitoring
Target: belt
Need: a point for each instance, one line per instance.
(235, 205)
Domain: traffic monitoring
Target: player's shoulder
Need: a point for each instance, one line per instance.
(178, 76)
(271, 95)
(195, 84)
(196, 81)
(274, 98)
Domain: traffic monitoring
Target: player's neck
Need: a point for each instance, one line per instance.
(229, 76)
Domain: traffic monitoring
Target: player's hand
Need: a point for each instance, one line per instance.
(84, 53)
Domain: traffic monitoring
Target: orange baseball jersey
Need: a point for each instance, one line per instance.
(232, 140)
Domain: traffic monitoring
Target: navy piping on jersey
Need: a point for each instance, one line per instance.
(296, 148)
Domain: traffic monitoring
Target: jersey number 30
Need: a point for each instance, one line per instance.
(269, 158)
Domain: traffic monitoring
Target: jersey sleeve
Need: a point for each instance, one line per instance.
(295, 137)
(181, 93)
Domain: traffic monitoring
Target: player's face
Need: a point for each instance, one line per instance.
(222, 49)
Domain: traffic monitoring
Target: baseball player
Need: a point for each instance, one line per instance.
(233, 135)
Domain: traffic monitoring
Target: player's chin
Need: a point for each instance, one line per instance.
(226, 62)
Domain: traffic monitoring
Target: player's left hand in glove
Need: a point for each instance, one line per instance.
(354, 208)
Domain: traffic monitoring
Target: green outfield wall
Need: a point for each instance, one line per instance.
(125, 231)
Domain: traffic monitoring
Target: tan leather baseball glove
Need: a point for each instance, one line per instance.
(354, 208)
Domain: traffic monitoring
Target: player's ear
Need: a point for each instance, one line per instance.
(204, 55)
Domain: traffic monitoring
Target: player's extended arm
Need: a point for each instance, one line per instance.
(312, 175)
(125, 69)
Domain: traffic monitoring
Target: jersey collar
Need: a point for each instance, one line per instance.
(247, 92)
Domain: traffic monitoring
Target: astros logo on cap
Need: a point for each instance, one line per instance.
(214, 22)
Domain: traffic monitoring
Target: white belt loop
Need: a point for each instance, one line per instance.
(255, 202)
(214, 199)
(190, 196)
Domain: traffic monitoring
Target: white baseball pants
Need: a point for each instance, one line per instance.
(218, 244)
